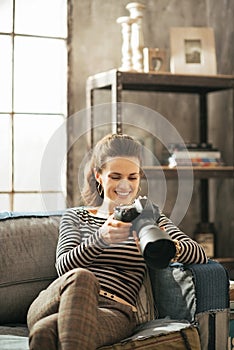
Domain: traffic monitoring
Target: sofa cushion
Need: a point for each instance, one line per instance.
(11, 342)
(174, 292)
(161, 334)
(27, 261)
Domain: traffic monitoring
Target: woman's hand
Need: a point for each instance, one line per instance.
(115, 231)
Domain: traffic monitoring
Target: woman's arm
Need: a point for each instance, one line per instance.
(189, 251)
(72, 250)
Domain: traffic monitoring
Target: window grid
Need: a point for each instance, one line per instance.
(12, 114)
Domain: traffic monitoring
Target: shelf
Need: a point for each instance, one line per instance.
(225, 260)
(117, 81)
(153, 172)
(163, 82)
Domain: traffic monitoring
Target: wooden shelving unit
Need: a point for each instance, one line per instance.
(118, 81)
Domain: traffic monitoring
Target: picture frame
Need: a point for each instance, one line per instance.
(154, 60)
(192, 50)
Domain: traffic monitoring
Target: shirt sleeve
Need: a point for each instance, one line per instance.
(190, 251)
(72, 250)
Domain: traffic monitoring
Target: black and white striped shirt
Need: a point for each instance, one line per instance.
(120, 268)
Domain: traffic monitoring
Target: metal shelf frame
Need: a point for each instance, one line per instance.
(117, 81)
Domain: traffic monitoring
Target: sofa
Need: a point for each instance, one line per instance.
(194, 297)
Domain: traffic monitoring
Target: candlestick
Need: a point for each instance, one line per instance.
(126, 23)
(137, 40)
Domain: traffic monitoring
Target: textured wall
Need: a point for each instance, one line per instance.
(95, 46)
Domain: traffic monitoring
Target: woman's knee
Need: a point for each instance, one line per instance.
(44, 331)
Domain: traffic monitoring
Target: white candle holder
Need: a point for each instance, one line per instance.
(137, 41)
(126, 23)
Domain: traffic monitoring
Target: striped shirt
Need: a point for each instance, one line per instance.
(120, 268)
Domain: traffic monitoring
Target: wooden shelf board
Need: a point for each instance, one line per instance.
(198, 172)
(163, 82)
(225, 260)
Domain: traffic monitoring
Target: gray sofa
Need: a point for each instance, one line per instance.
(193, 294)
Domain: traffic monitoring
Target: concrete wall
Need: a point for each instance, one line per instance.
(95, 46)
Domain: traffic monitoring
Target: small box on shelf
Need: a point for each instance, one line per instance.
(231, 293)
(205, 235)
(231, 332)
(231, 324)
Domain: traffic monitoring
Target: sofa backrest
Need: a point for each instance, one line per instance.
(27, 261)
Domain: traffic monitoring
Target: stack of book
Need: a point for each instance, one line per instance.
(193, 154)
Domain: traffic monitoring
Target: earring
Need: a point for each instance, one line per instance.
(100, 189)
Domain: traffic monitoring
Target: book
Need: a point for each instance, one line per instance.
(197, 154)
(172, 162)
(196, 146)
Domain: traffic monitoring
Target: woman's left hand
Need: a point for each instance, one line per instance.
(114, 231)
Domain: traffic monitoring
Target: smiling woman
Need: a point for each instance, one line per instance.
(98, 259)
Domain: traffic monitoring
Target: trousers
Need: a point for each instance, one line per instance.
(71, 315)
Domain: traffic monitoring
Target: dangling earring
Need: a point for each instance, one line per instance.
(100, 189)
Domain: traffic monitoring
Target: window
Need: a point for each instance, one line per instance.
(33, 104)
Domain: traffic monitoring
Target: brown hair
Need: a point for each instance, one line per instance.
(111, 145)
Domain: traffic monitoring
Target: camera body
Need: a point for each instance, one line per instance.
(156, 245)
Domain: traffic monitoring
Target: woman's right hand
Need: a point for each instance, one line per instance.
(115, 231)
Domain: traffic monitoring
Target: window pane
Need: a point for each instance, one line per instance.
(6, 16)
(5, 73)
(41, 17)
(38, 202)
(34, 136)
(40, 75)
(5, 202)
(5, 153)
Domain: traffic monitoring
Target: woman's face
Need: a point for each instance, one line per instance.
(120, 179)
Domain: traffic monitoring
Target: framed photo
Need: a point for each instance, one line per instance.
(192, 50)
(154, 60)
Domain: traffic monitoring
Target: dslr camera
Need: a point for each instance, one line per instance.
(156, 245)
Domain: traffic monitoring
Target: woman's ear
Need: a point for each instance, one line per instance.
(97, 175)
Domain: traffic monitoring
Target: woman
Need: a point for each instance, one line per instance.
(101, 269)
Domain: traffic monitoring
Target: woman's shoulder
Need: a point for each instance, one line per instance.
(81, 214)
(79, 211)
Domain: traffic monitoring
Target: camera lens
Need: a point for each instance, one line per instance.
(156, 246)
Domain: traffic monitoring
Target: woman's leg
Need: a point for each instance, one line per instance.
(74, 298)
(77, 320)
(47, 302)
(115, 322)
(67, 311)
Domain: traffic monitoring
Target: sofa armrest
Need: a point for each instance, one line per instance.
(212, 304)
(212, 286)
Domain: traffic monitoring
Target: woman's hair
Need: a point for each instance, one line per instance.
(112, 145)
